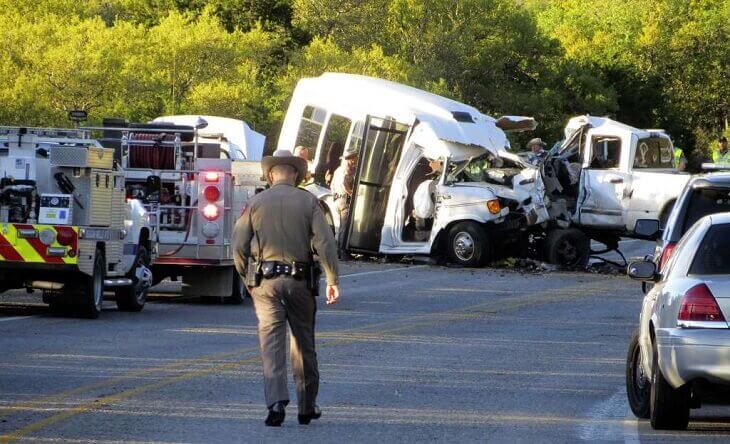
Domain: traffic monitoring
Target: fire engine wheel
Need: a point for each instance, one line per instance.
(92, 288)
(568, 248)
(238, 293)
(468, 244)
(133, 297)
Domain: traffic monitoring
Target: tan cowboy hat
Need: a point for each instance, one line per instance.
(349, 153)
(284, 157)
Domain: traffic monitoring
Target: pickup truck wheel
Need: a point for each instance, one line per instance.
(133, 297)
(638, 385)
(92, 288)
(468, 244)
(238, 293)
(669, 406)
(568, 248)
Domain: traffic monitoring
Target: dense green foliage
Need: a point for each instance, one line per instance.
(649, 63)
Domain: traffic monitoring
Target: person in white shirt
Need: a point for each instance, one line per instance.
(424, 197)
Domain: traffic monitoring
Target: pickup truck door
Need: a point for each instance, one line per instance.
(655, 182)
(601, 202)
(380, 152)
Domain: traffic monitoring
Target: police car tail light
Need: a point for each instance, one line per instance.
(699, 309)
(211, 212)
(666, 254)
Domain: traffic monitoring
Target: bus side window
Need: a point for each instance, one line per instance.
(332, 147)
(310, 128)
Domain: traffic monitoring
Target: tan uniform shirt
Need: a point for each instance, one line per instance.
(286, 222)
(343, 180)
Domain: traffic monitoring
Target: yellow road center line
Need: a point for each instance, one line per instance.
(533, 299)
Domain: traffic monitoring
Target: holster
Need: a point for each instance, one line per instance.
(315, 273)
(253, 274)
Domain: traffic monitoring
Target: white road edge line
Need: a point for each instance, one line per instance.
(383, 271)
(631, 428)
(16, 318)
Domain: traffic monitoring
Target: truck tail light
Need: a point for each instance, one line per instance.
(65, 237)
(211, 212)
(699, 309)
(212, 176)
(666, 254)
(212, 193)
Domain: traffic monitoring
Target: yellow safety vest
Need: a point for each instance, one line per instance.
(717, 157)
(678, 154)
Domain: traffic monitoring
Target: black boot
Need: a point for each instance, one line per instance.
(276, 414)
(305, 419)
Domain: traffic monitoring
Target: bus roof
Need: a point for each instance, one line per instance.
(355, 96)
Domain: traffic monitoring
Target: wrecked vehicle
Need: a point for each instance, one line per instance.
(604, 178)
(483, 197)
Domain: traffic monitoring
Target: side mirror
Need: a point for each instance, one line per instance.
(642, 270)
(648, 229)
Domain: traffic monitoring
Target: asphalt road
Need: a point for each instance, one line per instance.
(411, 354)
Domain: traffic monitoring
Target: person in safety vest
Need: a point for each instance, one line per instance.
(721, 154)
(680, 162)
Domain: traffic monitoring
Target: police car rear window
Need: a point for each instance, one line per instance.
(704, 201)
(713, 255)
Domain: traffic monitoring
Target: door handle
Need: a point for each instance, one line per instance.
(616, 180)
(446, 196)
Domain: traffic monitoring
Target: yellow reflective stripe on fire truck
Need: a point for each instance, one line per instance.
(22, 243)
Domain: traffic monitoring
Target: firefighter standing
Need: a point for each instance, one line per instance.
(272, 244)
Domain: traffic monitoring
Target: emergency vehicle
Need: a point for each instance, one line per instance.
(193, 174)
(65, 226)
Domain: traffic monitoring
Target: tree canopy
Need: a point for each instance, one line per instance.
(649, 63)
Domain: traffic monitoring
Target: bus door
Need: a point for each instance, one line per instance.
(380, 152)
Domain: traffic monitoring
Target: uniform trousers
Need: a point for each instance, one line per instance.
(279, 301)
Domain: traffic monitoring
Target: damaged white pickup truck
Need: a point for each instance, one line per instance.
(603, 178)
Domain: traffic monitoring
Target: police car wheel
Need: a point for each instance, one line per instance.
(638, 385)
(133, 297)
(669, 406)
(92, 288)
(468, 244)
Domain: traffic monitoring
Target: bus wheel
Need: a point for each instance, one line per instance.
(468, 244)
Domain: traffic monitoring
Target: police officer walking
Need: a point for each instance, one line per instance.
(272, 244)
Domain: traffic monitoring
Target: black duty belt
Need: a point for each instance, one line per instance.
(297, 270)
